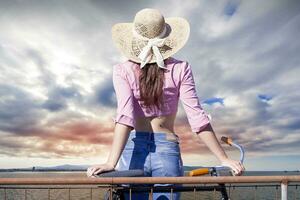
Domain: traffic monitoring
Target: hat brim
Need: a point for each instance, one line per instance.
(178, 31)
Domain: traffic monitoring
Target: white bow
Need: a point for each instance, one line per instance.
(146, 53)
(153, 44)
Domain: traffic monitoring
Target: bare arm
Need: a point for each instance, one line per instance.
(119, 141)
(124, 121)
(120, 138)
(208, 136)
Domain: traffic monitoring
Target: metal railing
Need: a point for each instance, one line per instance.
(191, 183)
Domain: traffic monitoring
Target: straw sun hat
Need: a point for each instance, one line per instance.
(151, 37)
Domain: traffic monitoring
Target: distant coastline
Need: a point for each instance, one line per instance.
(80, 168)
(66, 168)
(48, 169)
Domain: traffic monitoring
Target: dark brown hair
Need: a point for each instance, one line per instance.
(151, 81)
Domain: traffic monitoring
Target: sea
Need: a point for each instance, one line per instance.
(235, 191)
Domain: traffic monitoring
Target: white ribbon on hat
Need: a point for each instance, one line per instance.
(153, 43)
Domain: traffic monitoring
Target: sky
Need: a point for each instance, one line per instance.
(57, 99)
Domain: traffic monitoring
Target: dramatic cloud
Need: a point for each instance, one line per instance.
(56, 94)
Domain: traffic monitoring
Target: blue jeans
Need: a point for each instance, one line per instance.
(158, 154)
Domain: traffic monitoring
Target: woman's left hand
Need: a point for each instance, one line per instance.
(96, 169)
(236, 166)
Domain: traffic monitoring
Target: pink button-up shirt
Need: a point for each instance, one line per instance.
(178, 84)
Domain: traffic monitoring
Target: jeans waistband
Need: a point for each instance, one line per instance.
(153, 136)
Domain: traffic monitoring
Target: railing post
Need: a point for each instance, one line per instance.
(111, 193)
(69, 192)
(284, 186)
(151, 194)
(276, 192)
(295, 191)
(214, 193)
(91, 193)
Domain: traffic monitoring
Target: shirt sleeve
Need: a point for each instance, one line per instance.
(197, 117)
(124, 95)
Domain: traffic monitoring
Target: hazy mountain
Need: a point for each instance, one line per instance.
(68, 167)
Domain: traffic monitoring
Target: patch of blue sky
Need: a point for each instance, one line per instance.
(264, 97)
(230, 8)
(214, 100)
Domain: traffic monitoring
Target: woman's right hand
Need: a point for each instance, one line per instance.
(236, 166)
(96, 169)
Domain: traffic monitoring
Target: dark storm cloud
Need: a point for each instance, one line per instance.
(105, 94)
(19, 112)
(47, 77)
(58, 98)
(291, 126)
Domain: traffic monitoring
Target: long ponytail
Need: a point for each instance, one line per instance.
(151, 81)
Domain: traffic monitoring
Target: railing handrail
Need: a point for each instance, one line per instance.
(149, 180)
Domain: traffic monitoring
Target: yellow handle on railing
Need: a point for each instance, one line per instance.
(226, 140)
(199, 172)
